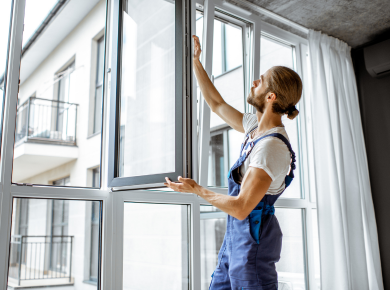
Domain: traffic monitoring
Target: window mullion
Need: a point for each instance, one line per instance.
(208, 34)
(309, 249)
(308, 226)
(195, 251)
(256, 48)
(12, 87)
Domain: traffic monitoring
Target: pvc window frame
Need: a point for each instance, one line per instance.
(9, 191)
(112, 201)
(182, 105)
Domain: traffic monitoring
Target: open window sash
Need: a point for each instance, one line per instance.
(149, 127)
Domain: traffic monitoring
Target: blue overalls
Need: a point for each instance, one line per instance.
(251, 247)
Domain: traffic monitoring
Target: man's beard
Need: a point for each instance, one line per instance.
(257, 101)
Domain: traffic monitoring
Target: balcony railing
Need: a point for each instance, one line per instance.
(46, 120)
(40, 257)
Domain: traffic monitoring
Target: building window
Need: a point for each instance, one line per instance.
(96, 177)
(63, 97)
(98, 86)
(94, 262)
(59, 230)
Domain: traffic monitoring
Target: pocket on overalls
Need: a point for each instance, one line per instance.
(255, 222)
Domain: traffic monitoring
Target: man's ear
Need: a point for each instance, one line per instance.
(271, 96)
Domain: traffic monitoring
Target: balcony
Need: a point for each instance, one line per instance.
(45, 136)
(39, 261)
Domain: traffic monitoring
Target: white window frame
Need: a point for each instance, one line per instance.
(111, 261)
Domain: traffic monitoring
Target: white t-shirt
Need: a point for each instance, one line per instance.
(270, 154)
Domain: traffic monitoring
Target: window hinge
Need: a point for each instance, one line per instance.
(24, 184)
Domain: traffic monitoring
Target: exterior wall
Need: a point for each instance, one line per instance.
(78, 45)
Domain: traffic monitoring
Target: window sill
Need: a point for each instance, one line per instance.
(90, 282)
(93, 135)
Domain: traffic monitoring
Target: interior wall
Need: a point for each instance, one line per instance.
(374, 99)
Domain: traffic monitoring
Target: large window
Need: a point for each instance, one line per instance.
(85, 218)
(51, 252)
(53, 119)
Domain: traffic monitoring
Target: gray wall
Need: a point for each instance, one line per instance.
(374, 99)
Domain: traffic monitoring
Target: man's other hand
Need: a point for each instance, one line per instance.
(184, 185)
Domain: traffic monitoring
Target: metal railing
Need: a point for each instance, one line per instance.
(46, 120)
(40, 257)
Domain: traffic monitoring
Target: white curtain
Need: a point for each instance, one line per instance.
(347, 228)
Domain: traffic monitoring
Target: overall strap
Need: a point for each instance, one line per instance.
(284, 139)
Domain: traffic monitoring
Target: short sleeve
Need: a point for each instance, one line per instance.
(271, 155)
(249, 121)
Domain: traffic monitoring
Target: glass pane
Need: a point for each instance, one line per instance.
(316, 250)
(225, 148)
(212, 232)
(291, 268)
(147, 113)
(5, 21)
(229, 80)
(155, 252)
(233, 47)
(275, 53)
(48, 243)
(228, 67)
(56, 105)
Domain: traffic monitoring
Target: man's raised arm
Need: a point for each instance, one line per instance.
(215, 101)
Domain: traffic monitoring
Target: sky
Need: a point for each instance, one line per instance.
(36, 11)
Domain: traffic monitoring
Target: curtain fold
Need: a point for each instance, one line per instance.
(348, 237)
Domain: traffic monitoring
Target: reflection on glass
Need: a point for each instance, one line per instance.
(225, 148)
(148, 88)
(52, 242)
(291, 268)
(59, 71)
(274, 53)
(155, 253)
(212, 232)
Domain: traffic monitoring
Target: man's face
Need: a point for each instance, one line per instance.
(258, 93)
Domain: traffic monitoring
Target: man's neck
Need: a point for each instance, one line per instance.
(267, 120)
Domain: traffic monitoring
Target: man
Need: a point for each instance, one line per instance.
(253, 238)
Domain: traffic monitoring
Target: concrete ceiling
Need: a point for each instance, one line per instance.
(354, 21)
